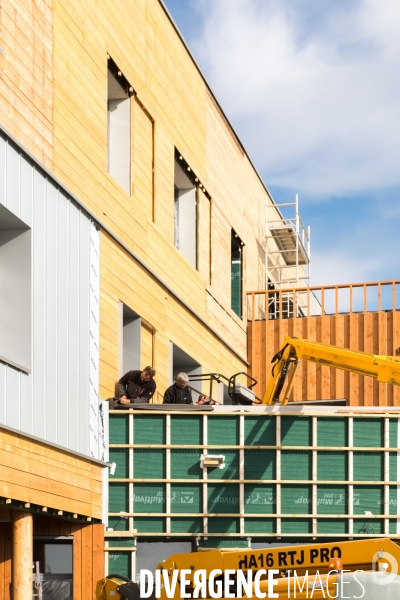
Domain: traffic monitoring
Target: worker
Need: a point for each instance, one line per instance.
(137, 387)
(179, 392)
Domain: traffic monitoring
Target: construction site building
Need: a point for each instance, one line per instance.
(132, 224)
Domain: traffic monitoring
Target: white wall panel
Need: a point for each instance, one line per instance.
(3, 392)
(39, 305)
(12, 182)
(13, 394)
(50, 294)
(62, 320)
(76, 414)
(53, 402)
(26, 403)
(3, 148)
(26, 204)
(83, 330)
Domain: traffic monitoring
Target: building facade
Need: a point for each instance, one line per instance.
(132, 223)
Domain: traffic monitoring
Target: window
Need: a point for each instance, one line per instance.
(15, 291)
(119, 126)
(129, 339)
(180, 362)
(185, 212)
(236, 273)
(53, 561)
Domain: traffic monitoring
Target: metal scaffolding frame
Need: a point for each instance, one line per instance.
(293, 247)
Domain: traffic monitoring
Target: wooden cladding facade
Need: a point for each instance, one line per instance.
(41, 474)
(88, 553)
(371, 331)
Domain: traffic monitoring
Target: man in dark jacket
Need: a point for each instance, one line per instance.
(179, 393)
(137, 387)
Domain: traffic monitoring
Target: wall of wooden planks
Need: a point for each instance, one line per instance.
(88, 565)
(36, 472)
(173, 108)
(371, 331)
(26, 82)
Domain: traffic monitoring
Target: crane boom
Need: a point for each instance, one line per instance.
(383, 368)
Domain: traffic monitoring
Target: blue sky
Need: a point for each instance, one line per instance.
(313, 90)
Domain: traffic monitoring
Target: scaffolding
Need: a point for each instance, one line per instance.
(289, 255)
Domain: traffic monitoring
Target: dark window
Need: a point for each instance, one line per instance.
(236, 273)
(53, 568)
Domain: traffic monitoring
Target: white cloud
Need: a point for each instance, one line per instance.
(315, 100)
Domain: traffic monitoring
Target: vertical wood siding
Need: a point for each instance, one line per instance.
(374, 332)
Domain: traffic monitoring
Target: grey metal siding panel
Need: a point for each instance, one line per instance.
(26, 201)
(3, 154)
(62, 320)
(52, 402)
(3, 388)
(12, 183)
(39, 307)
(83, 332)
(50, 292)
(75, 411)
(27, 408)
(13, 395)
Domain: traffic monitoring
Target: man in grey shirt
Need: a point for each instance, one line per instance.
(179, 392)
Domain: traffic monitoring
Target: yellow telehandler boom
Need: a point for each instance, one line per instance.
(285, 363)
(337, 570)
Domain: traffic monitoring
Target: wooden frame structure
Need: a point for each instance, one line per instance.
(360, 316)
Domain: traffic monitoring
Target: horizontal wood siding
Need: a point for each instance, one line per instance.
(40, 474)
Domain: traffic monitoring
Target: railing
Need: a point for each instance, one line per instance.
(323, 300)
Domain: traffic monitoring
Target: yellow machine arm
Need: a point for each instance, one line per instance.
(307, 560)
(117, 587)
(285, 362)
(312, 563)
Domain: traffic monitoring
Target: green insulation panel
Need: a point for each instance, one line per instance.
(119, 562)
(284, 476)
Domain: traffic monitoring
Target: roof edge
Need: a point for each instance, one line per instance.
(175, 26)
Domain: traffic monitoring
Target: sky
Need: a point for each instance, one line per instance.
(312, 88)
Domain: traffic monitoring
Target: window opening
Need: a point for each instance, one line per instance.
(15, 299)
(119, 92)
(130, 340)
(180, 361)
(176, 216)
(53, 567)
(236, 273)
(185, 215)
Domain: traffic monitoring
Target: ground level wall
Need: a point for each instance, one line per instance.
(88, 552)
(291, 475)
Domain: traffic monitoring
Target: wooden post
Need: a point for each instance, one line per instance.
(22, 555)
